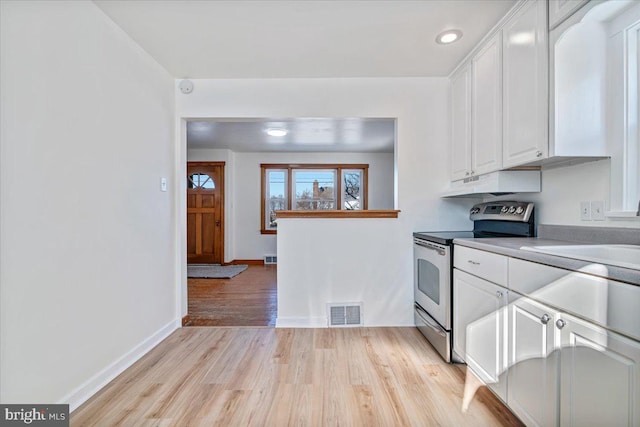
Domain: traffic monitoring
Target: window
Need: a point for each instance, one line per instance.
(311, 187)
(200, 180)
(276, 195)
(314, 189)
(352, 189)
(624, 77)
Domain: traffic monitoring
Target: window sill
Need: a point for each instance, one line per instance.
(338, 214)
(629, 215)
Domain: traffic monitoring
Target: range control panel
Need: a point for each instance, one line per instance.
(503, 210)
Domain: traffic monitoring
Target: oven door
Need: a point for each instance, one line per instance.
(432, 280)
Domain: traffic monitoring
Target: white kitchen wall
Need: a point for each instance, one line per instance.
(87, 238)
(420, 106)
(339, 261)
(563, 189)
(242, 222)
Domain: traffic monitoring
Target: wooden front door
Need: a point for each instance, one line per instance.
(205, 212)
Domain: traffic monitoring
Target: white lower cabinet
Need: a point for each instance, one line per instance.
(569, 372)
(549, 367)
(599, 376)
(533, 362)
(480, 328)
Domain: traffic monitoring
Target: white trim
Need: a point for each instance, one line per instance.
(622, 214)
(81, 394)
(301, 322)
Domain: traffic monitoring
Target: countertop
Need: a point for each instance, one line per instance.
(511, 247)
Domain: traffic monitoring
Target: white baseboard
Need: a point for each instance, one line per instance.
(301, 322)
(81, 394)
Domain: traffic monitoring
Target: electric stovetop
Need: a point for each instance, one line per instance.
(446, 237)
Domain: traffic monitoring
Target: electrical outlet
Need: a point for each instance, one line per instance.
(585, 211)
(597, 210)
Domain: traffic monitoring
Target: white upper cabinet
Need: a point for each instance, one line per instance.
(525, 98)
(499, 96)
(461, 123)
(486, 110)
(559, 10)
(476, 108)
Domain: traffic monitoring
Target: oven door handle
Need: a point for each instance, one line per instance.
(429, 321)
(428, 246)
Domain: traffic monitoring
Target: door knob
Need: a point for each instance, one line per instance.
(217, 223)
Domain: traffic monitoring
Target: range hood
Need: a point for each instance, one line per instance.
(495, 183)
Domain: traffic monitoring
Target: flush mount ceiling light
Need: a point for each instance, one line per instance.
(448, 36)
(276, 132)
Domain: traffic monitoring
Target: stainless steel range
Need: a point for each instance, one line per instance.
(433, 262)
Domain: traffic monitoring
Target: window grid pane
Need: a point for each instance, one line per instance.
(276, 193)
(201, 180)
(352, 189)
(314, 189)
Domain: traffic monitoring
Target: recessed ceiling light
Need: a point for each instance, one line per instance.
(277, 132)
(448, 36)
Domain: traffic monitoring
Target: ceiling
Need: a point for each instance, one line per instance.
(304, 38)
(304, 135)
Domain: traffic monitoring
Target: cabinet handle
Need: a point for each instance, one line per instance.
(466, 173)
(545, 319)
(472, 172)
(538, 153)
(499, 294)
(473, 262)
(560, 323)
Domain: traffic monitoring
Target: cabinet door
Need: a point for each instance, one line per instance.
(479, 328)
(461, 123)
(525, 90)
(533, 362)
(559, 10)
(486, 104)
(600, 376)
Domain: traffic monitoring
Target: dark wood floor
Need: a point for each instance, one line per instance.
(249, 299)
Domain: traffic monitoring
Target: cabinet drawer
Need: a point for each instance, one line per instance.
(489, 266)
(584, 292)
(528, 277)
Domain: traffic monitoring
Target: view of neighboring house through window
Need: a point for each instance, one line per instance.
(311, 187)
(314, 189)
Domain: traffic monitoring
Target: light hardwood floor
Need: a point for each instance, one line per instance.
(249, 299)
(206, 376)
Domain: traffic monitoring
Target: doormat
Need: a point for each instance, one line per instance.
(214, 271)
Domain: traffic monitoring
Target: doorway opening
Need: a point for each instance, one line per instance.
(245, 145)
(248, 299)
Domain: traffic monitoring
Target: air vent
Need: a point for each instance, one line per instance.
(270, 259)
(347, 314)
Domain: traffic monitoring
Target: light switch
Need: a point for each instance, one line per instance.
(163, 184)
(597, 210)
